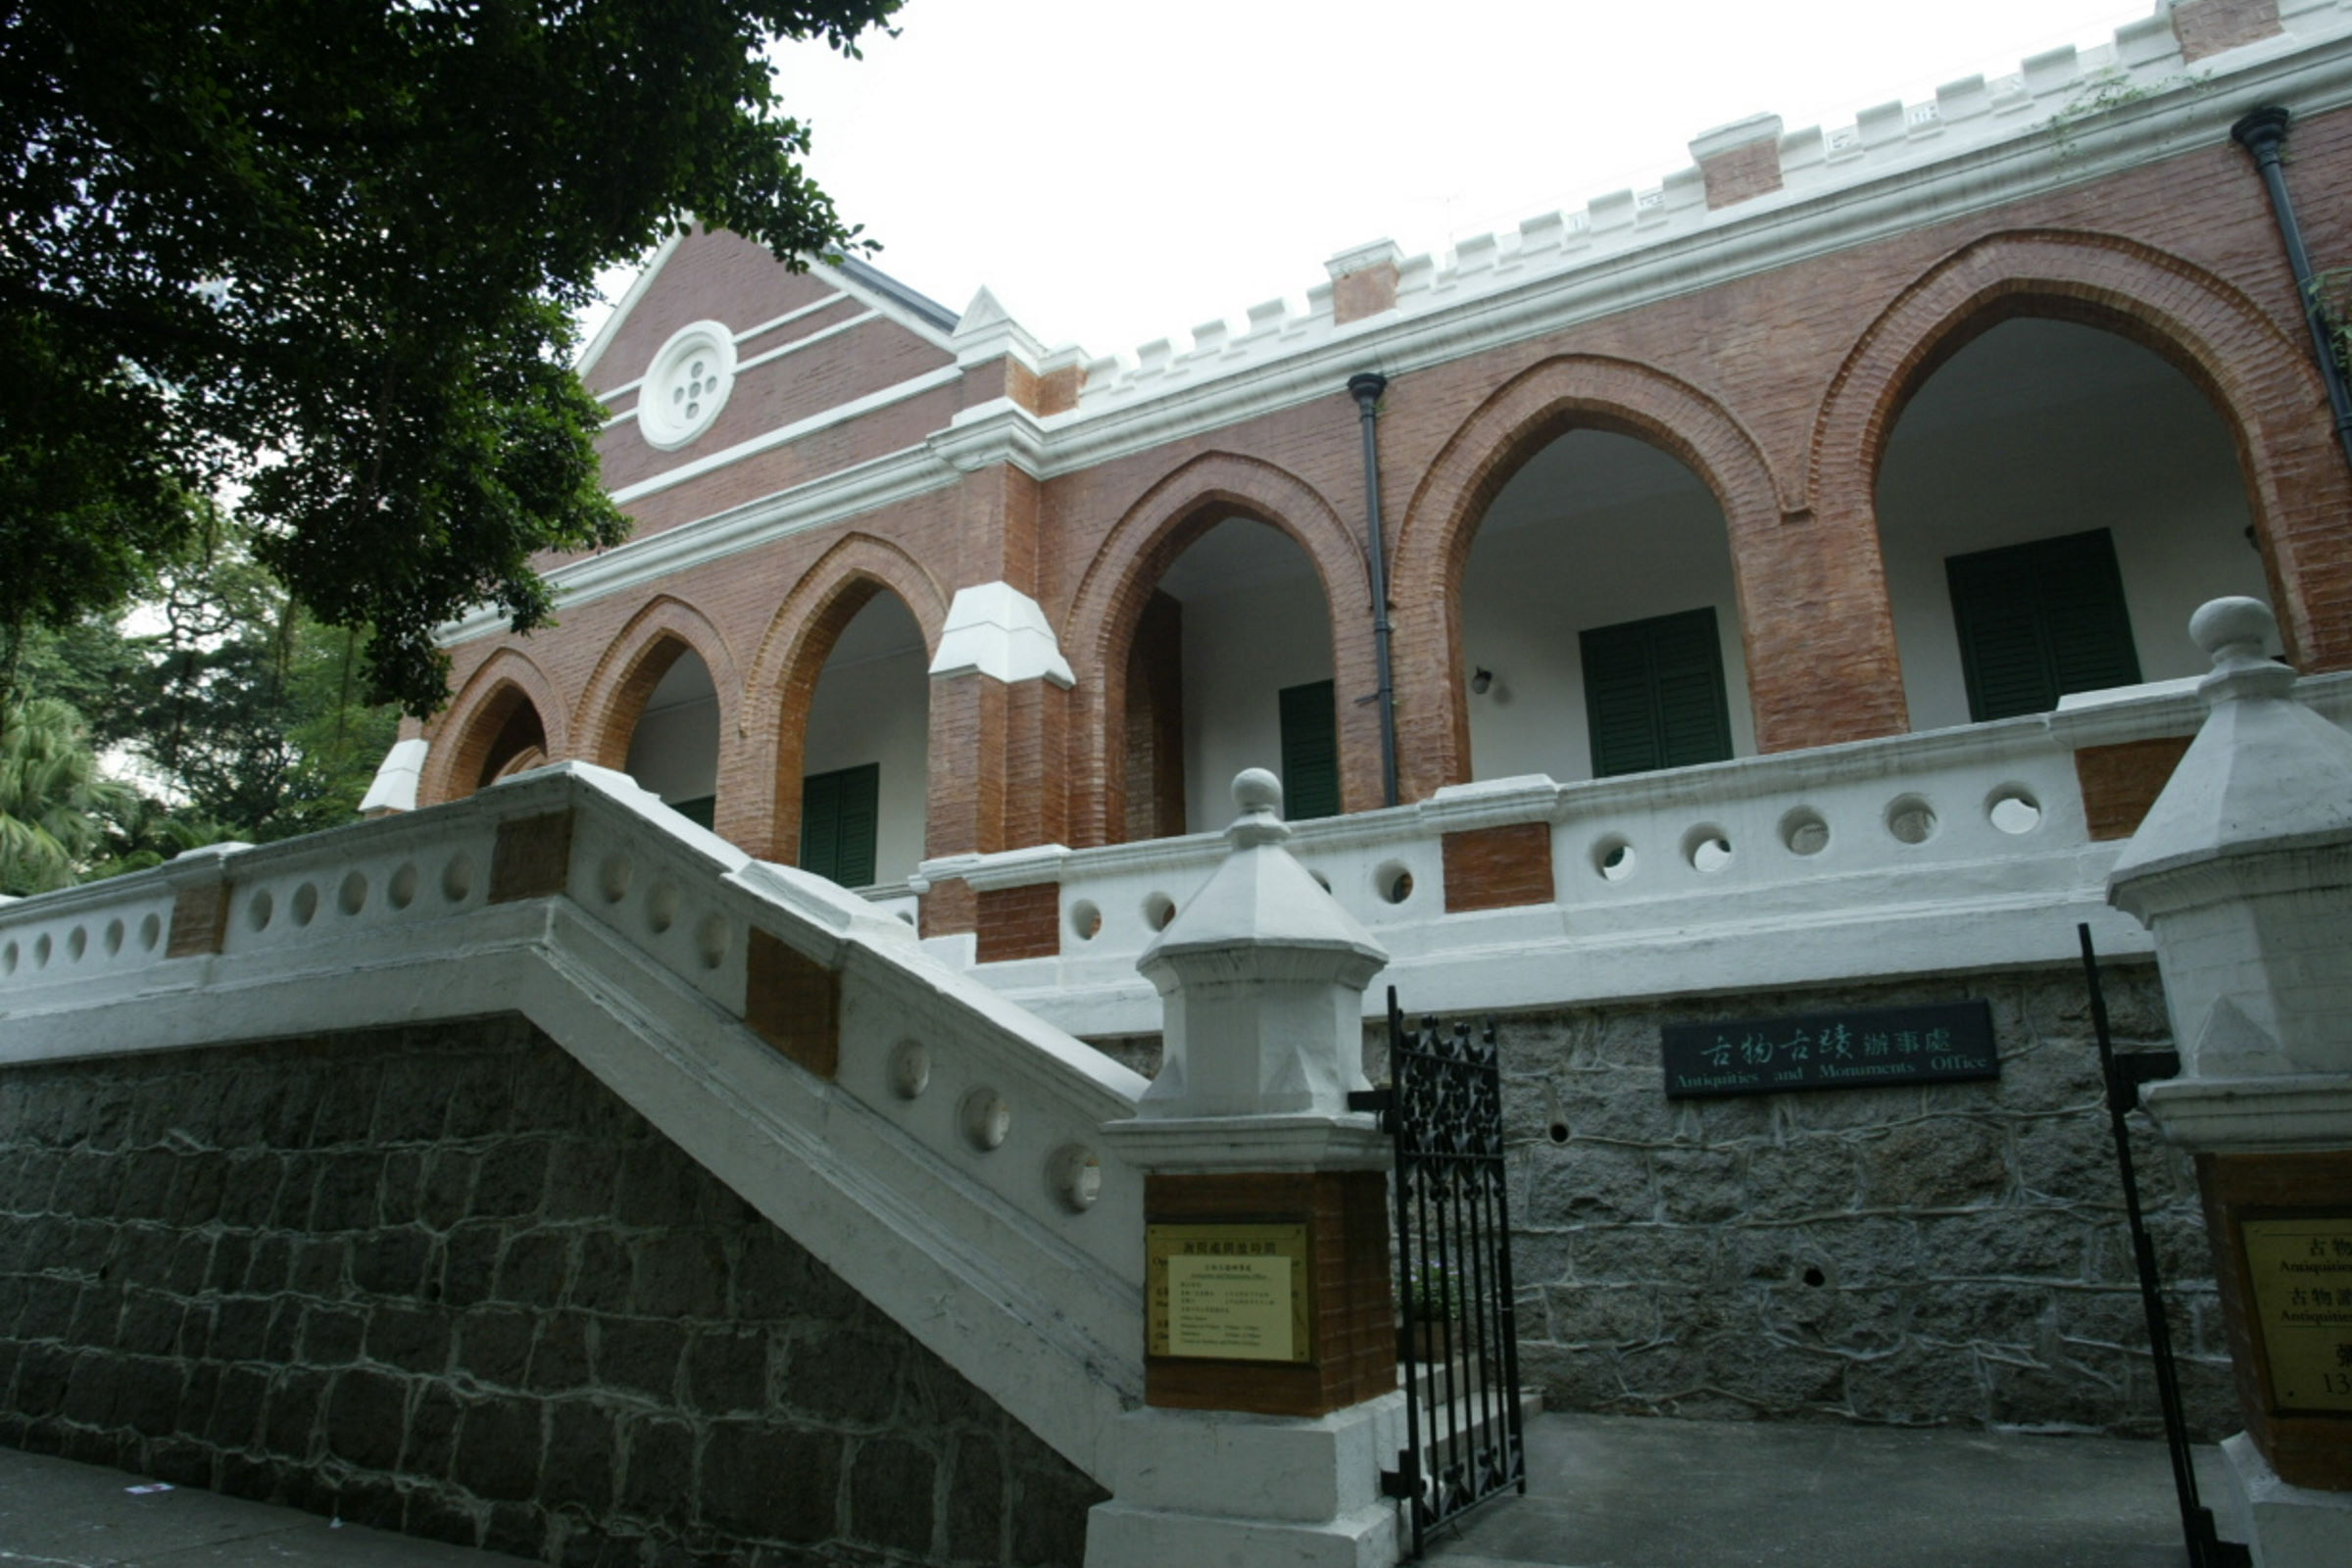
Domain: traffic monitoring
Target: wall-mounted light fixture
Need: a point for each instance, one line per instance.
(1481, 680)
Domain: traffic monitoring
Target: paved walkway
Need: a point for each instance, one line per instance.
(58, 1514)
(1616, 1493)
(1603, 1493)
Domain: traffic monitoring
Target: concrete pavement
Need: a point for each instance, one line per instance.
(1603, 1493)
(1623, 1493)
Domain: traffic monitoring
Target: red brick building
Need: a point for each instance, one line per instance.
(1915, 426)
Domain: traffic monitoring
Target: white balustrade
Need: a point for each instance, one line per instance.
(1949, 850)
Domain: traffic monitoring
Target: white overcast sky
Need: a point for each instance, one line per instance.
(1118, 170)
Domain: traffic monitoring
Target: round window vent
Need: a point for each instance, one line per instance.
(687, 384)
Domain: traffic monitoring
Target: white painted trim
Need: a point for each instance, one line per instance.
(785, 434)
(394, 788)
(604, 334)
(822, 501)
(1001, 632)
(878, 301)
(741, 337)
(788, 317)
(815, 337)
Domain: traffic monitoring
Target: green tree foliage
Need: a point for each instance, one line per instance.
(243, 715)
(327, 251)
(53, 801)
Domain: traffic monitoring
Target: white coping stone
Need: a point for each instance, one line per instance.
(1262, 976)
(1738, 133)
(2242, 870)
(987, 331)
(2110, 696)
(2292, 1526)
(396, 777)
(997, 629)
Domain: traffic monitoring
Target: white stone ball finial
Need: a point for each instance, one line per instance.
(2222, 625)
(2236, 631)
(1258, 794)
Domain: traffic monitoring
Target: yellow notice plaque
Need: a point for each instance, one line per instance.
(1229, 1293)
(2302, 1270)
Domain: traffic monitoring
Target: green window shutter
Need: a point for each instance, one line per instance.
(839, 818)
(1654, 694)
(1310, 751)
(2038, 621)
(702, 811)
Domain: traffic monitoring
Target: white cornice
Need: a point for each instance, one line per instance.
(1792, 226)
(1975, 149)
(866, 487)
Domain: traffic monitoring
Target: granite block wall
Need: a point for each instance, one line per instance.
(1945, 1253)
(441, 1280)
(1953, 1254)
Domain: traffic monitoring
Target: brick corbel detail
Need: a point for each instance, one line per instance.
(532, 859)
(1740, 161)
(793, 1003)
(199, 919)
(1024, 922)
(2120, 782)
(2213, 26)
(1363, 281)
(1498, 867)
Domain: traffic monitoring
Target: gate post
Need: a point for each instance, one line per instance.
(2242, 870)
(1270, 1357)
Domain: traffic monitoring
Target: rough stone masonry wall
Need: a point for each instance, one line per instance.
(1948, 1253)
(441, 1280)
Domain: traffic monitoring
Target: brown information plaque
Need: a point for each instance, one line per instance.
(2302, 1274)
(1229, 1293)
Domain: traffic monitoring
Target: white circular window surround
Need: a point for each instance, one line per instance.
(687, 384)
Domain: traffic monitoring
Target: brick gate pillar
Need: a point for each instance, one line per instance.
(1271, 1403)
(2242, 870)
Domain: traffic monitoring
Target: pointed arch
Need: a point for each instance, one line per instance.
(467, 739)
(633, 665)
(1545, 401)
(1156, 528)
(791, 655)
(2257, 374)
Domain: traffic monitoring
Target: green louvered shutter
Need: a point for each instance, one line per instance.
(1654, 694)
(702, 811)
(2038, 621)
(839, 818)
(1311, 752)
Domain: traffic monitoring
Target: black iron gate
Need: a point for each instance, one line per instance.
(1458, 1337)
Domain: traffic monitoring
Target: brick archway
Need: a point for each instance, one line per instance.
(633, 665)
(784, 674)
(470, 730)
(1441, 522)
(1157, 528)
(2257, 374)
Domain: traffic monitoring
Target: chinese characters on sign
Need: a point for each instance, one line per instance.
(1232, 1292)
(2302, 1274)
(1831, 1051)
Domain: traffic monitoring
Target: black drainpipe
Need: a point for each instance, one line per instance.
(2262, 133)
(1366, 389)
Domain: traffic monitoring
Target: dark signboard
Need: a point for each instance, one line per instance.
(1853, 1049)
